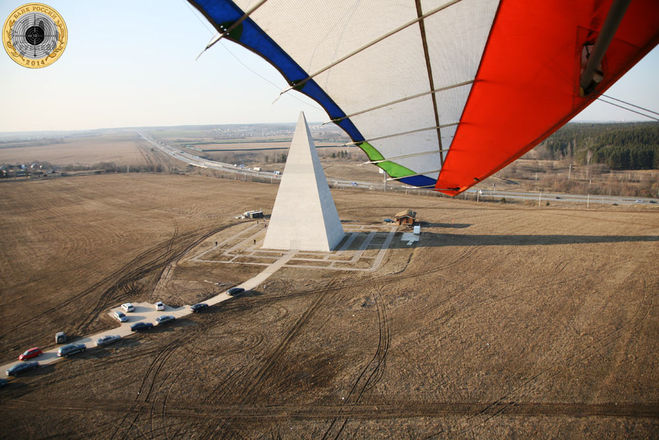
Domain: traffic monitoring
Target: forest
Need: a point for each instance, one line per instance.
(620, 146)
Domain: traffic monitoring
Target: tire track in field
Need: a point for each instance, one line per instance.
(146, 386)
(120, 284)
(255, 381)
(371, 373)
(401, 409)
(146, 399)
(506, 402)
(125, 286)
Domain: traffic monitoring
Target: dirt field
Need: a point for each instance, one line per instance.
(502, 322)
(120, 148)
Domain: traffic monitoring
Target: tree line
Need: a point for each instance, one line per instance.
(622, 146)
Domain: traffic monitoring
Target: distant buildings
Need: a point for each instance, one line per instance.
(21, 170)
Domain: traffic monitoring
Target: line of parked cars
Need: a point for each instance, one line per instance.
(119, 315)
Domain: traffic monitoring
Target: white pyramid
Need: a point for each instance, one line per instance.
(304, 216)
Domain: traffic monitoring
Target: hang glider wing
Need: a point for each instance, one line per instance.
(442, 94)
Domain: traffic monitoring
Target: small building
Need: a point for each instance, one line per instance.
(407, 217)
(253, 214)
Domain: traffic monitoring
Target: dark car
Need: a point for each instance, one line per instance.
(71, 349)
(22, 368)
(196, 308)
(235, 291)
(107, 340)
(139, 326)
(160, 320)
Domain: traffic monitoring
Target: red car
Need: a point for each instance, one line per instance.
(29, 354)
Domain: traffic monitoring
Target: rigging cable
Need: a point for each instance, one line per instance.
(630, 104)
(626, 108)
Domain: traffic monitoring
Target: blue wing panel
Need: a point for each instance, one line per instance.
(418, 181)
(252, 37)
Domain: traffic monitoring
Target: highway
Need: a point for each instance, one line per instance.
(561, 197)
(541, 198)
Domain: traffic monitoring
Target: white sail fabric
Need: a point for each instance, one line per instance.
(316, 36)
(441, 93)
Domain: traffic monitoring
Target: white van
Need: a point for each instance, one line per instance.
(128, 307)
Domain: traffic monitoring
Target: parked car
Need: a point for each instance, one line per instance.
(29, 354)
(235, 291)
(107, 340)
(22, 368)
(71, 349)
(128, 307)
(119, 316)
(196, 308)
(60, 338)
(160, 306)
(139, 326)
(164, 318)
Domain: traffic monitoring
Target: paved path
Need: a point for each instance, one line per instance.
(240, 247)
(146, 312)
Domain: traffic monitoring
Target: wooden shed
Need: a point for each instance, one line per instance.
(407, 217)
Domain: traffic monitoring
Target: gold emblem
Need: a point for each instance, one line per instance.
(34, 35)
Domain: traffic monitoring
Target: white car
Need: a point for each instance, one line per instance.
(120, 317)
(160, 306)
(128, 307)
(107, 340)
(160, 320)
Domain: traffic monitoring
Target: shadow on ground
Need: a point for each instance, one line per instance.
(444, 225)
(430, 239)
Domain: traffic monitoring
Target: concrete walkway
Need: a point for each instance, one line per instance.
(146, 312)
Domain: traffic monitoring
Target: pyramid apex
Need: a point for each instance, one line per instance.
(304, 216)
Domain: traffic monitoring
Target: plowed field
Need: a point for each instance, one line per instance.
(503, 321)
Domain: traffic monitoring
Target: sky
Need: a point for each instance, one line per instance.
(132, 63)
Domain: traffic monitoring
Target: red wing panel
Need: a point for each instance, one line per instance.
(527, 85)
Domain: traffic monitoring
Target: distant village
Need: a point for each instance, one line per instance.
(35, 169)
